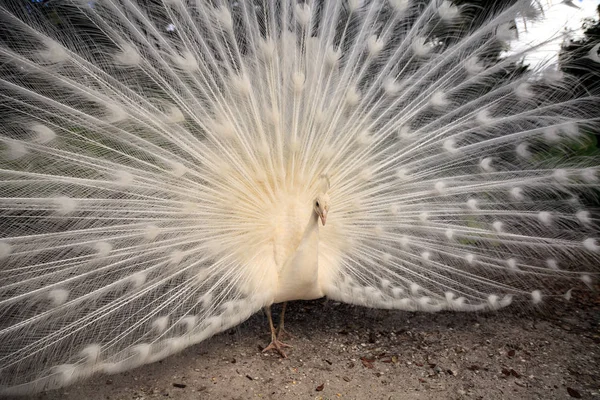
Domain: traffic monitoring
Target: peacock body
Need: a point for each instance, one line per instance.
(167, 169)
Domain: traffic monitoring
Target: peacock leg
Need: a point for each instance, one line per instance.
(275, 343)
(281, 332)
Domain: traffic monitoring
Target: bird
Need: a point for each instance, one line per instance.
(170, 168)
(569, 3)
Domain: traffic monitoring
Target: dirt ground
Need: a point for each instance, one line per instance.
(346, 352)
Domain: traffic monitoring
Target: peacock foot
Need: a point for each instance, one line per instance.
(277, 346)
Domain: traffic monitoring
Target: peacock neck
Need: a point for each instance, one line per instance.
(313, 226)
(298, 280)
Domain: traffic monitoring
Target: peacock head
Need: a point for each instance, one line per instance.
(321, 203)
(321, 206)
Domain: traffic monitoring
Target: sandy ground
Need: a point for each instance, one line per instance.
(346, 352)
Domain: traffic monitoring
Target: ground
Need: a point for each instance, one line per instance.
(346, 352)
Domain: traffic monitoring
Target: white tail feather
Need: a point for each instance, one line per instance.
(159, 166)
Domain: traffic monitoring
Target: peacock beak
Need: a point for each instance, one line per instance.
(323, 217)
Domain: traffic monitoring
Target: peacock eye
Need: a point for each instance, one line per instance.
(317, 204)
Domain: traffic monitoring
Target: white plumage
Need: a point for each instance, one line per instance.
(169, 168)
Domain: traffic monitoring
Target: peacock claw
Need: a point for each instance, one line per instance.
(277, 346)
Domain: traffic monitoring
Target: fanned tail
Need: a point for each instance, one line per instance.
(146, 148)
